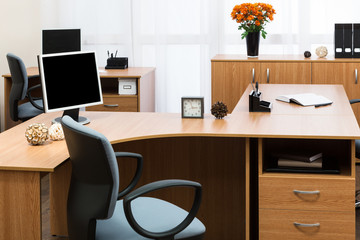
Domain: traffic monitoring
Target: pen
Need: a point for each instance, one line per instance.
(324, 104)
(108, 54)
(115, 53)
(257, 88)
(253, 88)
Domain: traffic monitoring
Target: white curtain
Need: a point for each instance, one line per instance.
(179, 37)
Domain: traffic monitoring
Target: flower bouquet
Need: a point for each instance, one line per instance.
(253, 17)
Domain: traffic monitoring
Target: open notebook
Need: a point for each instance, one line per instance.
(305, 99)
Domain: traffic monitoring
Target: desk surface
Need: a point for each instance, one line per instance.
(132, 72)
(286, 121)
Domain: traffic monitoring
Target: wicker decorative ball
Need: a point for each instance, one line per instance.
(56, 132)
(36, 133)
(321, 51)
(219, 110)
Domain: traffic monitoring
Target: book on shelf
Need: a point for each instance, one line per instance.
(305, 99)
(299, 164)
(300, 156)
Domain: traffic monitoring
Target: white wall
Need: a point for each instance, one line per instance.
(20, 33)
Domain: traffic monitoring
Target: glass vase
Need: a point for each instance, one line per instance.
(252, 44)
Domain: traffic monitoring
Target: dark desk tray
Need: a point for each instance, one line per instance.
(303, 170)
(116, 67)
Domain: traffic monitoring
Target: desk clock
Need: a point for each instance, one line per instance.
(192, 107)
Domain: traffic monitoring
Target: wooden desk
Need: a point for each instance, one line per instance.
(228, 157)
(143, 101)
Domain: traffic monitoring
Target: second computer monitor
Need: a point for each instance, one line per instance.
(61, 40)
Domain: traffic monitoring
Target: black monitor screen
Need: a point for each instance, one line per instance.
(70, 80)
(61, 40)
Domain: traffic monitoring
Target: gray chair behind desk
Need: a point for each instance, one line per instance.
(19, 91)
(357, 155)
(357, 142)
(95, 207)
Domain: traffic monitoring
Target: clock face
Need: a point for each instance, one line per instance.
(192, 107)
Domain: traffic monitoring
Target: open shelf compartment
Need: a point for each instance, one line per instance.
(336, 155)
(110, 86)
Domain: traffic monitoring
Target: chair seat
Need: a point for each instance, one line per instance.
(153, 215)
(27, 110)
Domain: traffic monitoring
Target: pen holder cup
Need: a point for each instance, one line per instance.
(117, 63)
(256, 105)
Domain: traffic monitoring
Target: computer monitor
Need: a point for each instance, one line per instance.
(70, 81)
(61, 40)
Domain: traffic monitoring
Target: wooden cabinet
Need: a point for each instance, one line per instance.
(285, 72)
(231, 74)
(345, 73)
(303, 204)
(142, 101)
(230, 79)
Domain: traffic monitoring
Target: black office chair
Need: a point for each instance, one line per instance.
(94, 208)
(19, 91)
(357, 155)
(357, 142)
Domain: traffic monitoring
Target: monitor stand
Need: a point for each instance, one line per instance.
(74, 114)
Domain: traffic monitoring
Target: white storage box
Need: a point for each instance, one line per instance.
(127, 86)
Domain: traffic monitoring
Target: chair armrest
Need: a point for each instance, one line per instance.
(137, 175)
(352, 101)
(156, 186)
(31, 98)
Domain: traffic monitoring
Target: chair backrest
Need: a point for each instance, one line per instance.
(19, 83)
(94, 181)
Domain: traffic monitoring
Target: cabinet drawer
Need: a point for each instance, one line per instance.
(116, 104)
(332, 195)
(279, 224)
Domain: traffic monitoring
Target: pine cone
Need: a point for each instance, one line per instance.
(219, 110)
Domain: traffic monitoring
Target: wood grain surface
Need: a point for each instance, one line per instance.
(279, 224)
(334, 194)
(20, 205)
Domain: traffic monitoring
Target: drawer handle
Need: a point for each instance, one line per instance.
(253, 75)
(111, 105)
(306, 192)
(356, 76)
(267, 75)
(306, 225)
